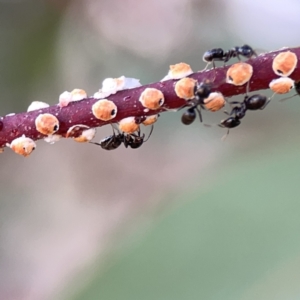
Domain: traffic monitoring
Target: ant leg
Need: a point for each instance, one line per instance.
(149, 134)
(215, 73)
(189, 103)
(227, 55)
(234, 110)
(126, 139)
(180, 108)
(225, 136)
(214, 67)
(199, 112)
(231, 113)
(115, 129)
(234, 102)
(136, 135)
(248, 88)
(205, 67)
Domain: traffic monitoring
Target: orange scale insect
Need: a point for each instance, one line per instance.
(284, 63)
(152, 98)
(104, 109)
(281, 85)
(129, 125)
(22, 145)
(214, 102)
(150, 120)
(185, 88)
(46, 124)
(238, 74)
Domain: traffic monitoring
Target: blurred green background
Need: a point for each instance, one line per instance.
(187, 216)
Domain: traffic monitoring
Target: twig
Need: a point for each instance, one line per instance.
(127, 101)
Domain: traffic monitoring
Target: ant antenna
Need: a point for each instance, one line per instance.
(199, 113)
(214, 67)
(284, 99)
(149, 133)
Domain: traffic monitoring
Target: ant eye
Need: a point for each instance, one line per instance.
(152, 98)
(284, 63)
(22, 145)
(281, 85)
(46, 124)
(186, 88)
(104, 109)
(238, 74)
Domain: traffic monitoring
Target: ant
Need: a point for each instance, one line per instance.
(253, 102)
(201, 92)
(219, 54)
(114, 141)
(297, 89)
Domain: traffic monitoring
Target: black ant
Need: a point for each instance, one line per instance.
(297, 89)
(219, 54)
(201, 92)
(114, 141)
(253, 102)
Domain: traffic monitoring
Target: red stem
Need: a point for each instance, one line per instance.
(128, 104)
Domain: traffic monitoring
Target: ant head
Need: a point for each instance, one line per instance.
(203, 89)
(231, 122)
(247, 51)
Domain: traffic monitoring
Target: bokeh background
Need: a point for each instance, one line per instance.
(186, 216)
